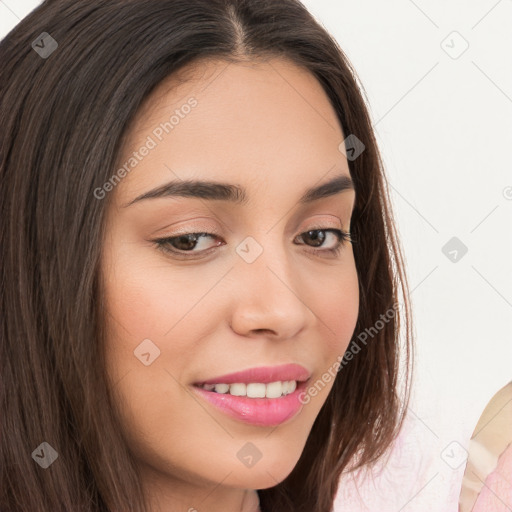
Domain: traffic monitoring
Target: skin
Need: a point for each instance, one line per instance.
(267, 126)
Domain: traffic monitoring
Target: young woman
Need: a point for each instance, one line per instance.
(203, 292)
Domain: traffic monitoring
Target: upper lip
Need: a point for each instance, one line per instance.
(263, 374)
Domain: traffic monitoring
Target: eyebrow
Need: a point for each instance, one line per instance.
(217, 191)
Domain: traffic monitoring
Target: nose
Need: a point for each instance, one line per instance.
(267, 297)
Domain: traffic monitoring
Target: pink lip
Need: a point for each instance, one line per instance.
(263, 412)
(263, 374)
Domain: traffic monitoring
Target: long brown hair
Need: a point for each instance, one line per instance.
(64, 114)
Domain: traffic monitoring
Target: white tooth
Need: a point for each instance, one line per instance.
(256, 390)
(221, 388)
(238, 389)
(274, 389)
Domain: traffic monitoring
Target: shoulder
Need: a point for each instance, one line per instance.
(491, 438)
(494, 426)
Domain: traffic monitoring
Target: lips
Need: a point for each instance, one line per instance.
(263, 412)
(263, 374)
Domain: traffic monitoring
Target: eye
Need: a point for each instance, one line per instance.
(183, 246)
(318, 237)
(184, 243)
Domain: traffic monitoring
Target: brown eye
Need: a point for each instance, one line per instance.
(317, 238)
(184, 243)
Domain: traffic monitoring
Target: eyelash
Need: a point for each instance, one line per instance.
(165, 243)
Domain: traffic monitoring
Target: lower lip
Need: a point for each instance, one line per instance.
(264, 412)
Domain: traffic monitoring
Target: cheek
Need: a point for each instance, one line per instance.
(140, 302)
(145, 299)
(339, 309)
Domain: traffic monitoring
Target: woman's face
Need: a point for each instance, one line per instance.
(256, 291)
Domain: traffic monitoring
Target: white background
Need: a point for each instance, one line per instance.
(444, 125)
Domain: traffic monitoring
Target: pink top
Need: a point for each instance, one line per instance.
(411, 478)
(496, 494)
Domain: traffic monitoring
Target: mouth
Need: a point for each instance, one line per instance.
(255, 396)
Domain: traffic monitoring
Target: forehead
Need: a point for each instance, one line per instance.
(254, 122)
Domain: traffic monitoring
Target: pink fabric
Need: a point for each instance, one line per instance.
(412, 478)
(496, 495)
